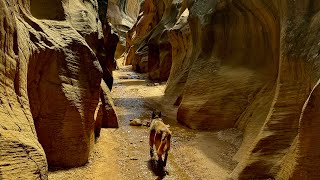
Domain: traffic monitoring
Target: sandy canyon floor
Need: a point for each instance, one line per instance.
(123, 153)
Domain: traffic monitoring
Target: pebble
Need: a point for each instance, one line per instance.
(135, 122)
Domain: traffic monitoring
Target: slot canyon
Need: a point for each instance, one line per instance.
(236, 82)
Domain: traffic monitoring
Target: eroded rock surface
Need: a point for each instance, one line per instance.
(109, 117)
(50, 85)
(246, 64)
(122, 14)
(21, 155)
(147, 43)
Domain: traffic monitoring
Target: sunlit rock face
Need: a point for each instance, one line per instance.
(21, 155)
(149, 49)
(50, 85)
(246, 64)
(283, 146)
(122, 14)
(69, 72)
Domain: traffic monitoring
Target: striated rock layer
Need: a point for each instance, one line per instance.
(250, 64)
(21, 155)
(149, 49)
(122, 14)
(52, 61)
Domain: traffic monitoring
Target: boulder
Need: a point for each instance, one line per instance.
(135, 122)
(65, 67)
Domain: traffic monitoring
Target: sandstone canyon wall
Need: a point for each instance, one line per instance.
(249, 64)
(148, 38)
(53, 59)
(122, 14)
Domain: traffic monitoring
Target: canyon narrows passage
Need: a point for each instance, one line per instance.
(123, 153)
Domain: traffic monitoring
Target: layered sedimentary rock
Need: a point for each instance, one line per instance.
(148, 43)
(50, 85)
(224, 61)
(122, 14)
(105, 116)
(21, 155)
(109, 117)
(246, 64)
(283, 143)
